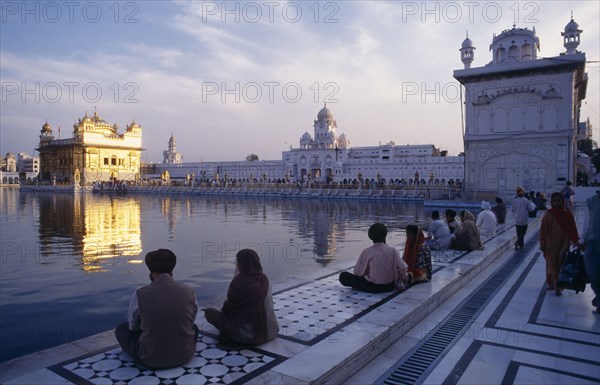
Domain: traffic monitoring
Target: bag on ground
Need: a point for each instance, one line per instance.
(572, 273)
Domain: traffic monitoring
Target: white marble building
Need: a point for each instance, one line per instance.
(326, 157)
(522, 114)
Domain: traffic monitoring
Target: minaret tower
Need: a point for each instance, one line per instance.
(467, 52)
(571, 36)
(171, 155)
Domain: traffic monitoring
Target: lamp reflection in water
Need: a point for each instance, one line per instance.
(95, 231)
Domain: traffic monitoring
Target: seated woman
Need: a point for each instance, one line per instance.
(416, 255)
(247, 316)
(466, 237)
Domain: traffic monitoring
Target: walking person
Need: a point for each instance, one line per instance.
(590, 234)
(557, 232)
(520, 210)
(568, 193)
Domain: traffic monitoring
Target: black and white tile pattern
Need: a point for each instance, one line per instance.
(312, 311)
(211, 364)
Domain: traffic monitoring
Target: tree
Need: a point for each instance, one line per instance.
(252, 157)
(596, 159)
(587, 146)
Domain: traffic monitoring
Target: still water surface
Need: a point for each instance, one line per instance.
(70, 262)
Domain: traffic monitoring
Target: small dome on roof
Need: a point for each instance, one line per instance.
(325, 113)
(46, 127)
(572, 26)
(467, 43)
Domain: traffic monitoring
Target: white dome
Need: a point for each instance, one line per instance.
(325, 113)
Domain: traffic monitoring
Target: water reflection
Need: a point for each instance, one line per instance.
(96, 231)
(100, 230)
(51, 241)
(322, 222)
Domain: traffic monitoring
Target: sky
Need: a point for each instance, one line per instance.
(228, 79)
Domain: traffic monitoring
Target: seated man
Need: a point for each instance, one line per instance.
(451, 220)
(379, 268)
(439, 236)
(486, 220)
(161, 332)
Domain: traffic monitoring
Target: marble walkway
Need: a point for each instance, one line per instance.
(518, 333)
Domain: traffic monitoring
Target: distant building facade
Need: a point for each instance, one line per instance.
(14, 169)
(95, 153)
(328, 158)
(27, 163)
(522, 114)
(9, 163)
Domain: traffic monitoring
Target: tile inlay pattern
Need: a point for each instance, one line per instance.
(310, 312)
(211, 364)
(415, 365)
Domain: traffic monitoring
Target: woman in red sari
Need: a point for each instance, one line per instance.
(557, 232)
(416, 255)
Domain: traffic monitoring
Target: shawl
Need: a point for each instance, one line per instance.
(566, 222)
(245, 303)
(411, 250)
(467, 236)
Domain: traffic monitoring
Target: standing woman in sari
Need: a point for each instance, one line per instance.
(557, 232)
(417, 255)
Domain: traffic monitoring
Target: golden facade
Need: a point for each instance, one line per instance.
(95, 153)
(95, 231)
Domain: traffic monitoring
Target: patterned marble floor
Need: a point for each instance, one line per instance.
(310, 312)
(212, 364)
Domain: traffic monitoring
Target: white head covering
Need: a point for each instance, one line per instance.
(485, 205)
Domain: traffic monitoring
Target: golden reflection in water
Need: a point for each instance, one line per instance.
(100, 231)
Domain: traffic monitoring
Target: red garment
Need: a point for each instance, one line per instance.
(417, 257)
(566, 221)
(411, 250)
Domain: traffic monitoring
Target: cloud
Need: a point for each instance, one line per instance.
(363, 63)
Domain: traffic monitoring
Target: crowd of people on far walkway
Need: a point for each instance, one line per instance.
(161, 332)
